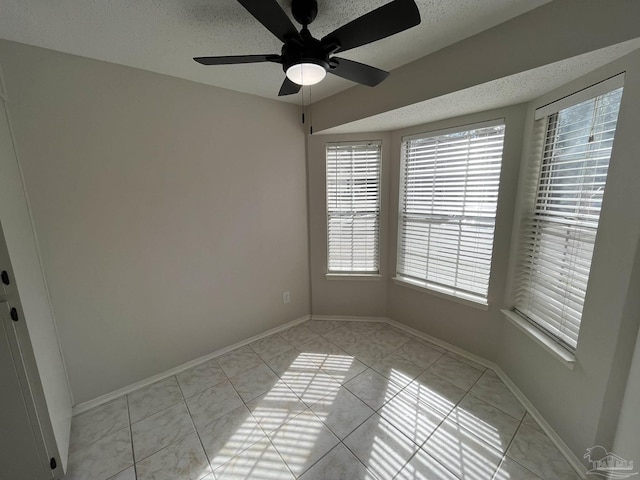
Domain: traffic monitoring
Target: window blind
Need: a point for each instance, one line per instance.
(449, 194)
(558, 235)
(353, 207)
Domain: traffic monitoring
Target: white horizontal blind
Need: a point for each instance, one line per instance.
(353, 207)
(448, 207)
(558, 235)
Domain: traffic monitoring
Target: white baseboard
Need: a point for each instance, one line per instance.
(84, 406)
(443, 344)
(544, 425)
(347, 318)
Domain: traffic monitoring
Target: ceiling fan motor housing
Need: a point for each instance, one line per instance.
(310, 50)
(304, 11)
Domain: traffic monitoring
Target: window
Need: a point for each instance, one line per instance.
(449, 192)
(353, 207)
(566, 189)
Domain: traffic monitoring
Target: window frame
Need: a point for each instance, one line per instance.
(451, 293)
(354, 274)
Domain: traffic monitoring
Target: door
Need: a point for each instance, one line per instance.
(42, 377)
(21, 442)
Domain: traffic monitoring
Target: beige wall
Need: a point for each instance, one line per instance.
(171, 215)
(627, 435)
(344, 296)
(473, 329)
(583, 404)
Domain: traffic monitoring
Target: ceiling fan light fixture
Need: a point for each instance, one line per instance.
(306, 73)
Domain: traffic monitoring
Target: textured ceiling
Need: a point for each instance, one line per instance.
(512, 90)
(163, 35)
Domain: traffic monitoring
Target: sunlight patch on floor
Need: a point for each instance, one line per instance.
(463, 453)
(293, 429)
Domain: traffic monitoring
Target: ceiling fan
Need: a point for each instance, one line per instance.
(306, 60)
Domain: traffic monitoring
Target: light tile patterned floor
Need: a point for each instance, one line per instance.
(322, 400)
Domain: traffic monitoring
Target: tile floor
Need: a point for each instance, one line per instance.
(321, 400)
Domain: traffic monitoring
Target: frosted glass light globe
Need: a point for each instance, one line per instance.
(306, 73)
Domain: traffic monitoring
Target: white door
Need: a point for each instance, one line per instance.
(21, 442)
(34, 344)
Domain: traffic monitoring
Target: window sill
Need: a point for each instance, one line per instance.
(567, 358)
(353, 276)
(431, 290)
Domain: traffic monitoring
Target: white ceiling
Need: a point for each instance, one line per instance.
(163, 35)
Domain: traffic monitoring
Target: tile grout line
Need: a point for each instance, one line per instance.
(546, 429)
(467, 392)
(495, 406)
(147, 386)
(503, 455)
(160, 411)
(340, 441)
(273, 356)
(133, 452)
(509, 446)
(309, 407)
(377, 411)
(193, 423)
(439, 425)
(358, 459)
(266, 435)
(343, 385)
(218, 418)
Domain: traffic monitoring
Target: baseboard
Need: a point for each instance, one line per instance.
(443, 344)
(575, 463)
(348, 318)
(544, 425)
(84, 406)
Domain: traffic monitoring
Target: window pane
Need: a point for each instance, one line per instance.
(448, 206)
(353, 207)
(559, 234)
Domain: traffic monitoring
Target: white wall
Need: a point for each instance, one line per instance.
(171, 215)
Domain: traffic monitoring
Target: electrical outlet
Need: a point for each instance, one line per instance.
(286, 297)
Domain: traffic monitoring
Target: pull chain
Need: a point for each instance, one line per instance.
(302, 103)
(310, 115)
(302, 90)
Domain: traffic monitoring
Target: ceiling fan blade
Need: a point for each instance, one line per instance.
(357, 72)
(232, 59)
(392, 18)
(288, 87)
(271, 15)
